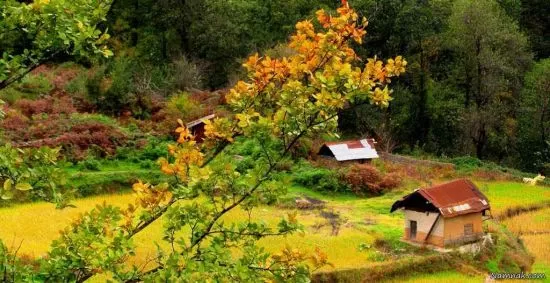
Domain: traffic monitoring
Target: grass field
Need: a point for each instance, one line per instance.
(35, 225)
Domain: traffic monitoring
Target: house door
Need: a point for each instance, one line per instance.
(412, 234)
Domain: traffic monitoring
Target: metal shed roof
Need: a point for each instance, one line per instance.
(353, 150)
(199, 121)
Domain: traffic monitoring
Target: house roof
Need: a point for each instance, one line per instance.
(199, 121)
(451, 199)
(352, 149)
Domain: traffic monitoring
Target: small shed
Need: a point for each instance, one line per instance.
(444, 215)
(197, 127)
(352, 150)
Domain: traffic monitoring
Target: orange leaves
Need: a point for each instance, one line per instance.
(184, 133)
(319, 259)
(150, 197)
(323, 18)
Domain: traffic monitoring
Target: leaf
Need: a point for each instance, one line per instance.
(8, 184)
(23, 186)
(7, 195)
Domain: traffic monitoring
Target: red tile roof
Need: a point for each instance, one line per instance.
(452, 199)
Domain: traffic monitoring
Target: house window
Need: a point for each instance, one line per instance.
(468, 229)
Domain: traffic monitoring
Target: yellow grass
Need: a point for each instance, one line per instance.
(539, 246)
(537, 221)
(36, 225)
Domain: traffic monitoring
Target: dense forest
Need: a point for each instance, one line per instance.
(477, 82)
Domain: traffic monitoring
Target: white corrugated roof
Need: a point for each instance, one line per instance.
(198, 121)
(343, 152)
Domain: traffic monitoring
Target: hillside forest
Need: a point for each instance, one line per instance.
(103, 178)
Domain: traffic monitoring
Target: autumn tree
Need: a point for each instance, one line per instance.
(42, 30)
(282, 101)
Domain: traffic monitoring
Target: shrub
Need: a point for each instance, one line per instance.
(89, 164)
(183, 107)
(319, 179)
(31, 87)
(466, 163)
(390, 181)
(47, 105)
(186, 74)
(363, 178)
(147, 164)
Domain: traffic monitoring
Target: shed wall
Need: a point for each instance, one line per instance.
(424, 222)
(454, 228)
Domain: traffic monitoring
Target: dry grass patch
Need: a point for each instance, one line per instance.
(530, 222)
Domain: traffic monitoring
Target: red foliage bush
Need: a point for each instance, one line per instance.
(47, 122)
(363, 178)
(366, 179)
(390, 181)
(47, 105)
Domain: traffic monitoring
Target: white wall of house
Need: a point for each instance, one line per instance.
(424, 221)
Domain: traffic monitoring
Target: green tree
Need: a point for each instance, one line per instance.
(491, 56)
(31, 174)
(534, 118)
(43, 30)
(535, 19)
(412, 28)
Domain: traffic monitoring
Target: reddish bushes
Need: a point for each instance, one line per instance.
(48, 105)
(52, 121)
(366, 179)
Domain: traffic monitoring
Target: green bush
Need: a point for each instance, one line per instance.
(90, 164)
(147, 164)
(186, 74)
(77, 86)
(466, 163)
(31, 87)
(319, 179)
(153, 150)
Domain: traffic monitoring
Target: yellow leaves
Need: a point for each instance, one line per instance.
(240, 94)
(395, 67)
(37, 5)
(292, 217)
(381, 96)
(327, 99)
(166, 167)
(306, 28)
(149, 197)
(219, 129)
(252, 62)
(80, 25)
(244, 119)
